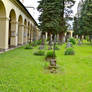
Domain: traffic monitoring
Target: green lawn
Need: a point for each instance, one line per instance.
(21, 71)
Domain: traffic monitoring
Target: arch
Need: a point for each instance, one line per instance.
(20, 23)
(20, 19)
(2, 9)
(2, 25)
(12, 28)
(29, 32)
(25, 22)
(25, 31)
(12, 15)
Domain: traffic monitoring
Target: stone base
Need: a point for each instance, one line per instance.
(52, 69)
(53, 62)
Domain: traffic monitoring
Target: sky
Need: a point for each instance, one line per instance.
(35, 13)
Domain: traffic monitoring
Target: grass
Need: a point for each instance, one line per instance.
(22, 71)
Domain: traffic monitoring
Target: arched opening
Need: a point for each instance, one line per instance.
(2, 26)
(20, 22)
(25, 31)
(2, 9)
(29, 33)
(12, 29)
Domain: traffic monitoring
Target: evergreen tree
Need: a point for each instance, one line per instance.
(84, 25)
(54, 15)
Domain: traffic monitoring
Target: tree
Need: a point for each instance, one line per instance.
(84, 20)
(54, 15)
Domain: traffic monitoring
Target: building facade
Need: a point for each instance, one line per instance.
(17, 26)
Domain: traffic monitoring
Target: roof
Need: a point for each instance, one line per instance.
(27, 11)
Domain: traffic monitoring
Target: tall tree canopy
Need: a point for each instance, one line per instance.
(54, 15)
(84, 21)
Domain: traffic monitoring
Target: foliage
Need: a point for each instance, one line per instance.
(72, 40)
(69, 51)
(83, 23)
(56, 47)
(39, 42)
(54, 14)
(35, 43)
(50, 54)
(28, 47)
(39, 53)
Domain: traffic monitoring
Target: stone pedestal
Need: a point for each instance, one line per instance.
(52, 66)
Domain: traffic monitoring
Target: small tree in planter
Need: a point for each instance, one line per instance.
(49, 55)
(69, 51)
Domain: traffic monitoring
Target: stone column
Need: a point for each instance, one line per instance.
(77, 36)
(4, 26)
(14, 34)
(46, 35)
(31, 34)
(21, 34)
(71, 34)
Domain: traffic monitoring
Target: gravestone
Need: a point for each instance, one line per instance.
(79, 42)
(68, 45)
(50, 44)
(42, 44)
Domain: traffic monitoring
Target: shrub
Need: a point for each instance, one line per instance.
(35, 43)
(69, 51)
(39, 42)
(50, 54)
(28, 47)
(72, 40)
(56, 48)
(39, 53)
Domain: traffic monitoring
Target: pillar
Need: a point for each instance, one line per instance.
(4, 26)
(46, 35)
(21, 34)
(31, 34)
(71, 34)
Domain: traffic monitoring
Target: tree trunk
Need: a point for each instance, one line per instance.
(61, 37)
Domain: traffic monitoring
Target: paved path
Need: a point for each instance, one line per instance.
(9, 49)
